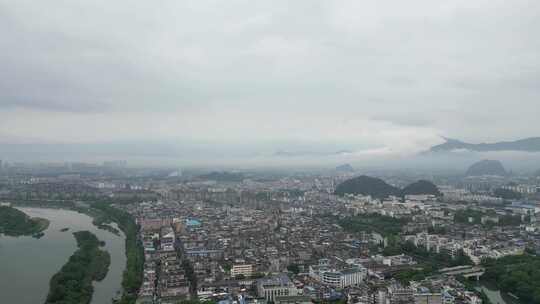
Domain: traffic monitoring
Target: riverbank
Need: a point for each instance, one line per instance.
(29, 264)
(15, 223)
(103, 214)
(133, 274)
(73, 283)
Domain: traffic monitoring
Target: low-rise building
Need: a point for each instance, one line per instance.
(242, 269)
(277, 286)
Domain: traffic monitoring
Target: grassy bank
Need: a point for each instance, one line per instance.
(73, 283)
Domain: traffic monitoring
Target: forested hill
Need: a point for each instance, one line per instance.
(486, 167)
(376, 187)
(421, 187)
(366, 185)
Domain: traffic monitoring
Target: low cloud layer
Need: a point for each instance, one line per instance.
(382, 76)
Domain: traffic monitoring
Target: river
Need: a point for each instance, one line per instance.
(27, 264)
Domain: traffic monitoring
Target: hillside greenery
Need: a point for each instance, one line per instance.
(73, 283)
(14, 222)
(384, 225)
(519, 275)
(462, 217)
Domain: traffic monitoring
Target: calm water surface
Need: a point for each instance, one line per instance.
(27, 264)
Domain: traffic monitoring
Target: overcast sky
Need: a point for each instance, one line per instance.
(375, 75)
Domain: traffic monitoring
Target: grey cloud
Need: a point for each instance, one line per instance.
(413, 119)
(194, 69)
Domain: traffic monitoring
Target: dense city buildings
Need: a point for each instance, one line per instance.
(293, 239)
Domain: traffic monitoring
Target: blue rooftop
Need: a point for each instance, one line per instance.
(193, 222)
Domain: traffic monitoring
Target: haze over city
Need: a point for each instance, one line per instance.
(270, 152)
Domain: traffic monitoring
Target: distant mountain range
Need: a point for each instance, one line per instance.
(376, 187)
(531, 144)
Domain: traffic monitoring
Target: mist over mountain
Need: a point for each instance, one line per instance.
(531, 144)
(486, 167)
(314, 152)
(299, 155)
(345, 168)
